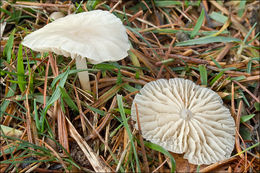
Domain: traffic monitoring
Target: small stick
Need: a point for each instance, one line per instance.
(244, 88)
(142, 141)
(150, 11)
(232, 100)
(83, 123)
(56, 154)
(237, 143)
(62, 127)
(223, 53)
(28, 118)
(106, 119)
(139, 19)
(218, 164)
(136, 15)
(53, 67)
(112, 9)
(160, 166)
(189, 59)
(122, 157)
(43, 4)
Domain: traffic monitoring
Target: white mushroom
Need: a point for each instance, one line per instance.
(97, 35)
(56, 15)
(185, 118)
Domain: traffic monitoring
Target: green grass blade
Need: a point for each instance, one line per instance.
(100, 112)
(244, 97)
(203, 75)
(5, 11)
(249, 66)
(249, 148)
(20, 69)
(11, 73)
(129, 88)
(242, 6)
(216, 78)
(215, 62)
(255, 37)
(105, 66)
(162, 150)
(59, 77)
(122, 113)
(257, 106)
(57, 93)
(68, 100)
(159, 3)
(198, 169)
(218, 17)
(9, 46)
(91, 5)
(198, 24)
(36, 117)
(250, 31)
(30, 72)
(238, 78)
(174, 31)
(5, 103)
(246, 118)
(140, 35)
(207, 39)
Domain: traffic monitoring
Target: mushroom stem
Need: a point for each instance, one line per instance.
(83, 76)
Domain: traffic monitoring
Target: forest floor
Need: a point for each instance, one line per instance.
(49, 124)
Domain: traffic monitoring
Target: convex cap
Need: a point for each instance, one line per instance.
(97, 35)
(185, 118)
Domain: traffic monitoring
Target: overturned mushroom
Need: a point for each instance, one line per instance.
(185, 118)
(97, 35)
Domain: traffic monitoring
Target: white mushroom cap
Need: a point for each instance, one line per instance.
(56, 15)
(185, 118)
(97, 35)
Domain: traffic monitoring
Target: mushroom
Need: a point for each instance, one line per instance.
(56, 15)
(185, 118)
(97, 35)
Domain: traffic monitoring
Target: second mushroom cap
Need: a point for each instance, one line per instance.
(185, 118)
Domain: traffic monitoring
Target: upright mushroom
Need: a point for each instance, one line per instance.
(185, 118)
(97, 35)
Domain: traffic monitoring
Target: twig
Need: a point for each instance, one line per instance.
(146, 165)
(105, 120)
(237, 143)
(102, 140)
(122, 157)
(56, 154)
(233, 100)
(42, 4)
(112, 9)
(83, 123)
(95, 161)
(224, 51)
(62, 127)
(233, 19)
(218, 164)
(160, 166)
(244, 88)
(139, 19)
